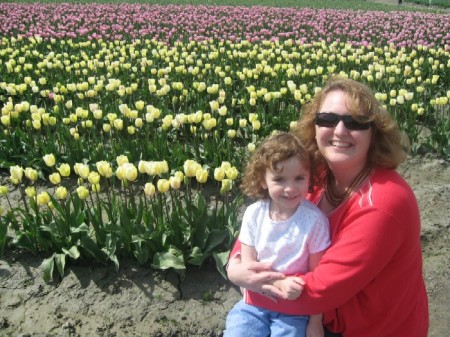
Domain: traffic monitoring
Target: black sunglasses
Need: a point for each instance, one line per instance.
(330, 120)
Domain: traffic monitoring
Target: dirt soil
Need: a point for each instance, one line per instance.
(95, 300)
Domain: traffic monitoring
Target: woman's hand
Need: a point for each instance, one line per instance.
(255, 276)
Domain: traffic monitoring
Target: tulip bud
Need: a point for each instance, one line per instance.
(3, 190)
(82, 192)
(201, 175)
(43, 198)
(149, 189)
(61, 193)
(55, 178)
(64, 170)
(31, 174)
(16, 172)
(49, 160)
(30, 191)
(163, 185)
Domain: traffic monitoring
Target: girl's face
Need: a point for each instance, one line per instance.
(287, 188)
(340, 146)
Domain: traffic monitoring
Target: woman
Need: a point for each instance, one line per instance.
(369, 282)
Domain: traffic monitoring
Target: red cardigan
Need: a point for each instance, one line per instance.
(369, 282)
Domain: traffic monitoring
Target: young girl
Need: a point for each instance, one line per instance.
(283, 229)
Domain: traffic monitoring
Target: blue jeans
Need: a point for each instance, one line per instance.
(246, 320)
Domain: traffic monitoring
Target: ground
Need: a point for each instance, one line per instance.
(95, 300)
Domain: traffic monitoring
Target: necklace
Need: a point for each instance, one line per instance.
(333, 197)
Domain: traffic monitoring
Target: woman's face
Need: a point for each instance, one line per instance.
(340, 146)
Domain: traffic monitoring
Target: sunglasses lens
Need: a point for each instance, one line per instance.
(327, 120)
(330, 120)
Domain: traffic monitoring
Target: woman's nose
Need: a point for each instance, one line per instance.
(340, 127)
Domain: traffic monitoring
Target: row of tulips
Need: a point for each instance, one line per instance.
(171, 23)
(143, 211)
(110, 142)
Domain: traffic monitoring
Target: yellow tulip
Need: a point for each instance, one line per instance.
(16, 172)
(175, 182)
(98, 114)
(120, 173)
(201, 175)
(138, 122)
(179, 175)
(131, 130)
(6, 120)
(64, 170)
(139, 105)
(256, 125)
(223, 110)
(31, 174)
(96, 188)
(226, 186)
(49, 160)
(231, 133)
(82, 192)
(104, 169)
(30, 191)
(130, 172)
(118, 124)
(55, 178)
(219, 173)
(214, 105)
(82, 170)
(94, 178)
(251, 147)
(190, 168)
(149, 189)
(232, 173)
(3, 190)
(163, 185)
(61, 193)
(122, 159)
(43, 198)
(164, 166)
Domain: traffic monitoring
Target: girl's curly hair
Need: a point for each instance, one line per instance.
(278, 147)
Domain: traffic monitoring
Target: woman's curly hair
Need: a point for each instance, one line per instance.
(389, 146)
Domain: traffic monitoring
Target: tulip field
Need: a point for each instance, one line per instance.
(125, 127)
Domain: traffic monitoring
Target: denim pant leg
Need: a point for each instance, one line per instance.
(247, 321)
(288, 325)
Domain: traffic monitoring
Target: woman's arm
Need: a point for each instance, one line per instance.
(254, 276)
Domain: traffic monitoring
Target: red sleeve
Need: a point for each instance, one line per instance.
(236, 251)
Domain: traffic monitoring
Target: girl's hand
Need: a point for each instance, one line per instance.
(291, 287)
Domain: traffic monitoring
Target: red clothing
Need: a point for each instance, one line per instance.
(369, 282)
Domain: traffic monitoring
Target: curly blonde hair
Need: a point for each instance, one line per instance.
(278, 147)
(389, 146)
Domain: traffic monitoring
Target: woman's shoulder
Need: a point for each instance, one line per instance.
(387, 185)
(388, 178)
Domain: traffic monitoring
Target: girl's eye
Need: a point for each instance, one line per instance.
(300, 178)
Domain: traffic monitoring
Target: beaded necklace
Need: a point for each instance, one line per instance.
(336, 199)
